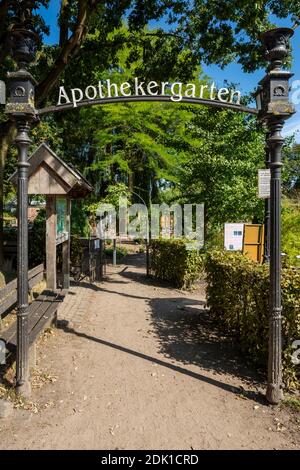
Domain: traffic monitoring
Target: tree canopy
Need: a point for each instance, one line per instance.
(160, 151)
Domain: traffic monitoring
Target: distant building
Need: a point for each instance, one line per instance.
(233, 237)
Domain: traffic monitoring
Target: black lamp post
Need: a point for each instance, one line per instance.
(21, 110)
(267, 208)
(274, 108)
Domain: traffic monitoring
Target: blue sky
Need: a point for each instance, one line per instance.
(233, 72)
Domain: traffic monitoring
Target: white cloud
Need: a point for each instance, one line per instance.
(292, 127)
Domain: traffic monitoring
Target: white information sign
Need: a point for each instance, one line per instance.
(233, 237)
(264, 184)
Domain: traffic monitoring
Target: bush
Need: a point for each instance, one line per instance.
(174, 261)
(238, 297)
(121, 251)
(290, 231)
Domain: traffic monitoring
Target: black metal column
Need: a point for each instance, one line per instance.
(22, 366)
(267, 208)
(21, 109)
(275, 141)
(274, 108)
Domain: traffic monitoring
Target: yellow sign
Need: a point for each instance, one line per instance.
(253, 244)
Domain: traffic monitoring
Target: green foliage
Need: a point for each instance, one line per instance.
(293, 403)
(174, 261)
(291, 168)
(79, 220)
(76, 250)
(238, 297)
(37, 240)
(215, 28)
(121, 251)
(291, 230)
(115, 192)
(225, 153)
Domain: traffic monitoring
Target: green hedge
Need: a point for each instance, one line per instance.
(121, 251)
(174, 261)
(238, 297)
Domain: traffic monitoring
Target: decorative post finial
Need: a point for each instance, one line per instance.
(23, 39)
(277, 45)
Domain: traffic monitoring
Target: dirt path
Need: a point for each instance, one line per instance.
(139, 366)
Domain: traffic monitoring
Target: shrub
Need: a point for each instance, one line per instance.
(174, 261)
(120, 251)
(238, 297)
(290, 231)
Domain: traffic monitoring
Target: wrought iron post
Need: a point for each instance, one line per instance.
(275, 109)
(267, 208)
(22, 365)
(276, 141)
(21, 110)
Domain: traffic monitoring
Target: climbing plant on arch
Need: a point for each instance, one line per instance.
(273, 108)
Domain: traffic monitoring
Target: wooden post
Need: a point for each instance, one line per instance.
(51, 242)
(66, 249)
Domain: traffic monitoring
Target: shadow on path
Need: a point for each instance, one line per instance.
(211, 381)
(185, 333)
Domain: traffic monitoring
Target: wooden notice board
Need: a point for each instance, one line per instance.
(253, 244)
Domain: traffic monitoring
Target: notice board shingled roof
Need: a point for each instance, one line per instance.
(49, 174)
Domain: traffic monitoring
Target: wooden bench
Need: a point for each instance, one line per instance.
(41, 311)
(8, 294)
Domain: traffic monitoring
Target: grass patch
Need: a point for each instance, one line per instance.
(293, 403)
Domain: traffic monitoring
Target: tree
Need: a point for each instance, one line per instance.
(137, 144)
(225, 31)
(291, 169)
(226, 151)
(76, 19)
(197, 31)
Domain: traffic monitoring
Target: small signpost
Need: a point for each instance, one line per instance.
(264, 184)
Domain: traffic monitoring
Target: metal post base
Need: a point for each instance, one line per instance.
(24, 389)
(274, 394)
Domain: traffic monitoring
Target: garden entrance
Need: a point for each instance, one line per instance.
(273, 108)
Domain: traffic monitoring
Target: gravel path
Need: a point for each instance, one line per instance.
(135, 365)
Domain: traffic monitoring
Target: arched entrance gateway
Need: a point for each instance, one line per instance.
(273, 108)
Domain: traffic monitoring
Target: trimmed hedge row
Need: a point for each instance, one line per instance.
(174, 261)
(238, 297)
